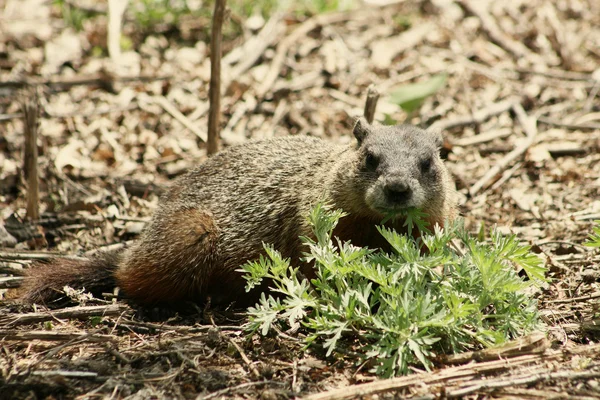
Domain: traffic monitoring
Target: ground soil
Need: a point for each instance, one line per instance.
(520, 112)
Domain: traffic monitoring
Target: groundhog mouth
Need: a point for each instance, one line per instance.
(394, 209)
(388, 202)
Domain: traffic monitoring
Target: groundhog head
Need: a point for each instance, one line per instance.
(399, 167)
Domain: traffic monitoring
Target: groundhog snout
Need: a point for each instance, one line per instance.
(397, 191)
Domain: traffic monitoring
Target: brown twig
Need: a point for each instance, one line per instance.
(529, 126)
(371, 103)
(8, 117)
(51, 336)
(524, 379)
(549, 121)
(482, 137)
(175, 113)
(506, 175)
(51, 353)
(34, 255)
(104, 80)
(444, 375)
(65, 313)
(478, 116)
(592, 327)
(245, 357)
(256, 46)
(214, 90)
(457, 381)
(575, 299)
(91, 113)
(178, 328)
(556, 74)
(8, 269)
(231, 389)
(291, 40)
(489, 26)
(559, 37)
(10, 282)
(531, 344)
(30, 108)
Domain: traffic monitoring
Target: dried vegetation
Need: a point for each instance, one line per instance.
(520, 110)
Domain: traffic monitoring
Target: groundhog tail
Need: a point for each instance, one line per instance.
(44, 281)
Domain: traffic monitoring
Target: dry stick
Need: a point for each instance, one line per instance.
(51, 336)
(558, 35)
(65, 313)
(291, 40)
(7, 269)
(30, 116)
(55, 351)
(448, 375)
(257, 45)
(591, 326)
(239, 349)
(234, 388)
(94, 79)
(8, 117)
(245, 358)
(529, 126)
(530, 393)
(575, 299)
(555, 74)
(551, 122)
(34, 255)
(11, 282)
(482, 137)
(214, 90)
(530, 344)
(506, 175)
(488, 24)
(478, 116)
(427, 378)
(66, 374)
(371, 103)
(498, 383)
(175, 113)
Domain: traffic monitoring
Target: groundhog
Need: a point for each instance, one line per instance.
(218, 216)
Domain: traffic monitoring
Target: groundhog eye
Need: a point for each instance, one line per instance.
(425, 165)
(372, 161)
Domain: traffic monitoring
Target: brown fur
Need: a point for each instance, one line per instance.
(217, 216)
(146, 276)
(46, 280)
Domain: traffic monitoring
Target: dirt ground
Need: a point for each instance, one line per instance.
(520, 112)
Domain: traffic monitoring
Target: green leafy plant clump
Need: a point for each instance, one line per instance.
(594, 237)
(436, 293)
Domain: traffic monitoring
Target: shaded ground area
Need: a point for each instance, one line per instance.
(520, 111)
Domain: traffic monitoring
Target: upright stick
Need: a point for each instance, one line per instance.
(29, 107)
(214, 90)
(371, 103)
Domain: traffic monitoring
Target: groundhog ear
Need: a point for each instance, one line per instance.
(361, 129)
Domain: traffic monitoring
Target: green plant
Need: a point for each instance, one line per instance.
(396, 310)
(410, 97)
(594, 237)
(149, 13)
(73, 15)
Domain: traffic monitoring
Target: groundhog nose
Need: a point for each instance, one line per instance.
(397, 191)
